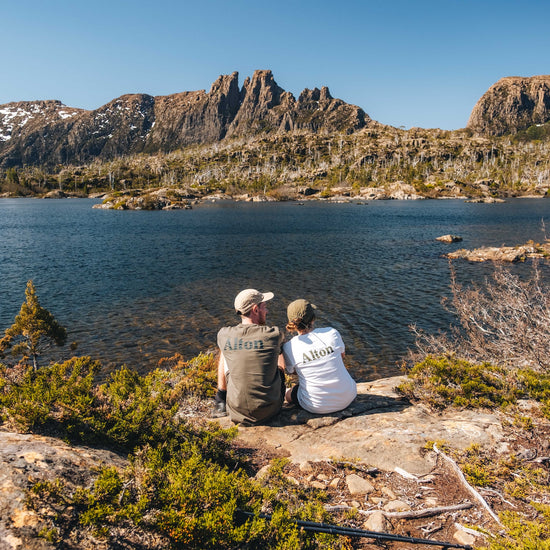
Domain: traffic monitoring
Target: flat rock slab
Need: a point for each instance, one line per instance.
(380, 429)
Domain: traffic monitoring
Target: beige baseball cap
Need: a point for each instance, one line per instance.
(250, 297)
(301, 309)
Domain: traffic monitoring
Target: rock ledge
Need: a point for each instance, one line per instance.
(380, 429)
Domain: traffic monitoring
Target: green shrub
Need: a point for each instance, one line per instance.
(535, 384)
(137, 409)
(522, 533)
(189, 501)
(126, 412)
(478, 468)
(185, 481)
(449, 381)
(57, 398)
(198, 375)
(142, 410)
(445, 381)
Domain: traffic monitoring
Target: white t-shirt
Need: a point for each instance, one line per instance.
(325, 385)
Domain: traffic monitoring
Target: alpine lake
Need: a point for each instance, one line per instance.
(132, 287)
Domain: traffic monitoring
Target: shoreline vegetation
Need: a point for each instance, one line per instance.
(375, 163)
(496, 359)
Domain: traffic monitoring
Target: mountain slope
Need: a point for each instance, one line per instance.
(48, 133)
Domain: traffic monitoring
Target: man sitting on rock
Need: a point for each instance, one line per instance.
(250, 378)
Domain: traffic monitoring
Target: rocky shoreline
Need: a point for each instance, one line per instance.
(174, 198)
(179, 198)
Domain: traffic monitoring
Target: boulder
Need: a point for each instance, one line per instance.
(55, 194)
(489, 253)
(358, 485)
(485, 200)
(396, 506)
(376, 522)
(449, 238)
(308, 191)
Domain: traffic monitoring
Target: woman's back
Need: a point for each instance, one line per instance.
(324, 383)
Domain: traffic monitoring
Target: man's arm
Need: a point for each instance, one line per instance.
(222, 382)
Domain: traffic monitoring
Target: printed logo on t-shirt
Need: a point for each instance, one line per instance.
(316, 354)
(241, 343)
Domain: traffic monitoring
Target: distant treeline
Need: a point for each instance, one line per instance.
(432, 161)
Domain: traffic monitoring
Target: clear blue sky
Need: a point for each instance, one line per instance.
(405, 62)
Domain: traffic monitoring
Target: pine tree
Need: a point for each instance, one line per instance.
(34, 329)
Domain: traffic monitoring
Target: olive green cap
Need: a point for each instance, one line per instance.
(300, 310)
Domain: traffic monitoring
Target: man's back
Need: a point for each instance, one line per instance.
(254, 382)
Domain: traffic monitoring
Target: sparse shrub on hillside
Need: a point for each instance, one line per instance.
(273, 161)
(505, 322)
(537, 132)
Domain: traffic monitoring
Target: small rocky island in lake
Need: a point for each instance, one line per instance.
(503, 253)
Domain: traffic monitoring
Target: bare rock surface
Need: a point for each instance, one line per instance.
(512, 104)
(486, 200)
(380, 429)
(398, 190)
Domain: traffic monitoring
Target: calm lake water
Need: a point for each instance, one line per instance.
(132, 286)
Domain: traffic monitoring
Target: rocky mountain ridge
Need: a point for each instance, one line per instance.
(512, 104)
(48, 133)
(259, 139)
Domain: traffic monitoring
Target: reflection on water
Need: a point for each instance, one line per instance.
(132, 287)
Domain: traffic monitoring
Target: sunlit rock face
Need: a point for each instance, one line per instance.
(511, 105)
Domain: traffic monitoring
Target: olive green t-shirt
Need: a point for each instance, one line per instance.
(254, 382)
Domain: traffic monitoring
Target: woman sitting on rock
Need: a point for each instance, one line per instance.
(316, 356)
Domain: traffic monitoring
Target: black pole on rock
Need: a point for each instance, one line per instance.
(241, 517)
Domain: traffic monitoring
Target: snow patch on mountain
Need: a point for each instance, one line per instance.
(15, 116)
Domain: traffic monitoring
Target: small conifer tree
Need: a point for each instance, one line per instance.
(34, 329)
